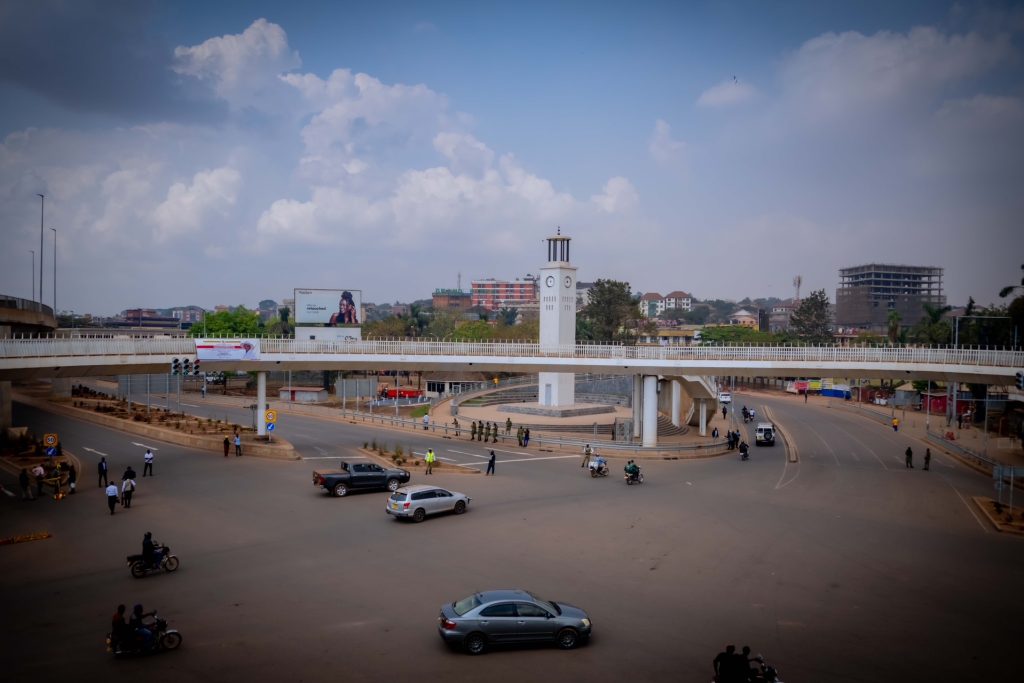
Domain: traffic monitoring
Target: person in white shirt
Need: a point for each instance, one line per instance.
(127, 489)
(111, 496)
(148, 466)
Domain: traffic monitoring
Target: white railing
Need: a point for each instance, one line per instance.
(84, 346)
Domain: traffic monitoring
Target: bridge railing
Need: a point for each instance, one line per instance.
(85, 346)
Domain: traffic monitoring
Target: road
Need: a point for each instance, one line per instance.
(843, 567)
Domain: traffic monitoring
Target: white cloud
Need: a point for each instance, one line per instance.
(618, 195)
(466, 153)
(190, 208)
(726, 94)
(662, 147)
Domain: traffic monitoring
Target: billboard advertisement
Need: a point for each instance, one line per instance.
(228, 349)
(334, 307)
(329, 333)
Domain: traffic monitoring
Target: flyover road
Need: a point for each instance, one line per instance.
(842, 567)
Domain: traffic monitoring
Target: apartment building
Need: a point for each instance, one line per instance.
(494, 295)
(868, 293)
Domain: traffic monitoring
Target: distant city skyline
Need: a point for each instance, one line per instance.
(216, 153)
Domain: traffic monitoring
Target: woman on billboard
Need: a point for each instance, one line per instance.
(347, 313)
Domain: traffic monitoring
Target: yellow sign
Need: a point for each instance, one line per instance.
(50, 440)
(270, 416)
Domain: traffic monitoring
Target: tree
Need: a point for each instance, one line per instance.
(508, 315)
(933, 328)
(388, 328)
(810, 322)
(236, 323)
(736, 334)
(613, 312)
(894, 320)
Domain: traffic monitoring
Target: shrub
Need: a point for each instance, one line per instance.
(398, 451)
(374, 444)
(365, 445)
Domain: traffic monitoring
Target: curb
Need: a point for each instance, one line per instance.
(446, 468)
(792, 454)
(982, 502)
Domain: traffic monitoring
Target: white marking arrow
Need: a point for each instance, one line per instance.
(93, 450)
(136, 443)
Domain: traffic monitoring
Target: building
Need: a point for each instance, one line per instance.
(454, 300)
(494, 294)
(745, 318)
(780, 315)
(650, 304)
(188, 314)
(868, 294)
(653, 304)
(583, 290)
(678, 300)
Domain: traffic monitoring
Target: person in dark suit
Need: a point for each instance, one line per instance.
(101, 470)
(490, 464)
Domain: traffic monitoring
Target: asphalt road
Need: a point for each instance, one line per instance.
(843, 567)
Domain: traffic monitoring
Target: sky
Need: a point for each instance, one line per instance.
(224, 153)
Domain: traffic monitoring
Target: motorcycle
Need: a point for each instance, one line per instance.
(139, 568)
(631, 479)
(163, 639)
(744, 451)
(598, 469)
(765, 671)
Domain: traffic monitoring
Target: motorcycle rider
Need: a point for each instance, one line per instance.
(599, 464)
(138, 626)
(746, 414)
(152, 552)
(632, 470)
(118, 629)
(744, 450)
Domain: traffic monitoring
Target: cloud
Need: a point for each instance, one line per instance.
(727, 94)
(464, 152)
(662, 147)
(190, 208)
(618, 195)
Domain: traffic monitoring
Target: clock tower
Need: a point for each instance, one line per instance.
(557, 320)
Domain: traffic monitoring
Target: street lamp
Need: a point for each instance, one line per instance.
(33, 252)
(42, 208)
(54, 273)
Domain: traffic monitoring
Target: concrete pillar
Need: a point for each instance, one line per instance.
(261, 403)
(649, 431)
(677, 402)
(5, 389)
(703, 417)
(60, 387)
(638, 402)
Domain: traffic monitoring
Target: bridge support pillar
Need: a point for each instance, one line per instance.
(60, 387)
(638, 402)
(649, 430)
(5, 390)
(677, 402)
(261, 404)
(703, 417)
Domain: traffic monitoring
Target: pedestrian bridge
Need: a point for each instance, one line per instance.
(70, 357)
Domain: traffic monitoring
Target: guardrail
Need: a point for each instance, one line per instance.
(84, 346)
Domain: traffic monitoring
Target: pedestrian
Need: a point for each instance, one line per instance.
(526, 438)
(127, 489)
(472, 431)
(714, 433)
(101, 469)
(430, 460)
(455, 425)
(725, 411)
(426, 421)
(227, 446)
(148, 462)
(909, 453)
(39, 473)
(927, 457)
(508, 426)
(722, 662)
(895, 424)
(112, 496)
(494, 433)
(72, 478)
(203, 389)
(587, 452)
(519, 436)
(23, 482)
(960, 421)
(490, 465)
(238, 445)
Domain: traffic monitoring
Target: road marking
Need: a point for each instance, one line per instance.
(93, 450)
(551, 457)
(190, 405)
(152, 448)
(971, 510)
(321, 451)
(866, 447)
(334, 457)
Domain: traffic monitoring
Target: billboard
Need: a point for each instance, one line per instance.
(228, 349)
(329, 333)
(334, 307)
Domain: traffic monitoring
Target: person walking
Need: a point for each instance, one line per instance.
(519, 436)
(490, 465)
(101, 469)
(227, 446)
(714, 433)
(127, 489)
(526, 438)
(23, 482)
(895, 424)
(426, 421)
(455, 425)
(927, 458)
(430, 460)
(587, 452)
(39, 473)
(472, 431)
(111, 496)
(508, 426)
(494, 433)
(147, 462)
(909, 453)
(72, 478)
(725, 411)
(238, 445)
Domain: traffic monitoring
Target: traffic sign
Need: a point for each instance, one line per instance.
(51, 451)
(270, 416)
(270, 426)
(50, 440)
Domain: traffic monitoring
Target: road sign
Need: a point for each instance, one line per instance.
(270, 416)
(51, 451)
(270, 426)
(50, 440)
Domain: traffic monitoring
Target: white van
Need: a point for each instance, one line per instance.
(764, 435)
(724, 397)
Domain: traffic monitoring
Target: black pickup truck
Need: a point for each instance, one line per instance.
(359, 475)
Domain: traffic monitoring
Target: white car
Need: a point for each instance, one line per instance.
(724, 397)
(764, 435)
(416, 502)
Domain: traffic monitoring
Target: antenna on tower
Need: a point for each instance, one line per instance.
(797, 281)
(458, 282)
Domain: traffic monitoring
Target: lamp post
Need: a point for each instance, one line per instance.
(33, 252)
(54, 273)
(42, 208)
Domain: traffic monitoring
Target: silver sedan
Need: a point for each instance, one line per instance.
(416, 502)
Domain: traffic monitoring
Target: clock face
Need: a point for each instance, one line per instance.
(568, 281)
(550, 281)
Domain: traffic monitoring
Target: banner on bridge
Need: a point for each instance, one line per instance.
(228, 349)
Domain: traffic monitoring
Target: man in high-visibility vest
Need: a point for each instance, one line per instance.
(430, 460)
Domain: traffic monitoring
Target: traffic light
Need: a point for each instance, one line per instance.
(195, 367)
(1020, 380)
(187, 367)
(175, 366)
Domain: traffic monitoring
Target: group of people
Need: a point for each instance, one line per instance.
(631, 469)
(47, 473)
(131, 634)
(484, 431)
(733, 441)
(748, 415)
(909, 458)
(736, 667)
(121, 493)
(238, 445)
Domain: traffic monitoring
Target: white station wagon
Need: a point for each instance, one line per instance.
(416, 502)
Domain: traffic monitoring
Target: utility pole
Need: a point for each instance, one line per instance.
(42, 209)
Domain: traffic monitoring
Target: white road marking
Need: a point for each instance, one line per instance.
(153, 448)
(93, 450)
(319, 450)
(552, 457)
(191, 405)
(971, 510)
(334, 457)
(866, 447)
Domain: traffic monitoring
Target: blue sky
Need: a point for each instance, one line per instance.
(228, 152)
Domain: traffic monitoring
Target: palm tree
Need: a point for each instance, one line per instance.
(894, 326)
